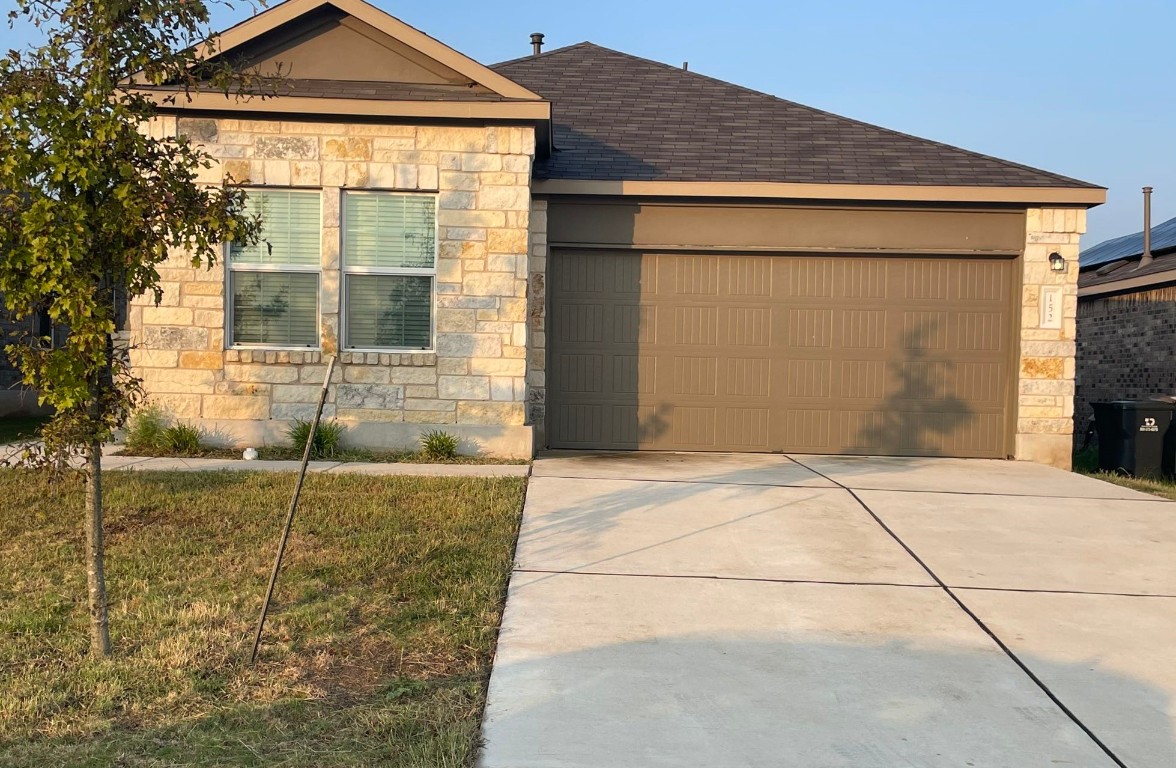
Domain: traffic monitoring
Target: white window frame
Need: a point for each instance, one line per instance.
(230, 268)
(407, 271)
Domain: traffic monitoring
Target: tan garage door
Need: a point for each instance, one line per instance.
(826, 354)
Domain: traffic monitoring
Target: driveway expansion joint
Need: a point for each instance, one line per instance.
(1026, 591)
(1053, 496)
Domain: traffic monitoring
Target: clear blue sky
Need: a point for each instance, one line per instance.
(1085, 88)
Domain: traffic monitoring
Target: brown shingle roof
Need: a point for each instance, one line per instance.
(620, 117)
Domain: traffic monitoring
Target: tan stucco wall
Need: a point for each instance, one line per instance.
(1045, 382)
(473, 384)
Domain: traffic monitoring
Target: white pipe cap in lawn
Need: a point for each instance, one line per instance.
(250, 454)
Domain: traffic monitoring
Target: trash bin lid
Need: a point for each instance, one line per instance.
(1152, 405)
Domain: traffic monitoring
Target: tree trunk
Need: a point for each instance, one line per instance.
(95, 571)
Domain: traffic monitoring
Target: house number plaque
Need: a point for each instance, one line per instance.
(1051, 306)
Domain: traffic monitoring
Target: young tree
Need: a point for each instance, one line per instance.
(91, 204)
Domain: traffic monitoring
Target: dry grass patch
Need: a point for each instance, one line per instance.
(377, 651)
(1086, 463)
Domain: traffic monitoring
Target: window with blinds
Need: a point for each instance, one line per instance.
(277, 309)
(274, 284)
(389, 264)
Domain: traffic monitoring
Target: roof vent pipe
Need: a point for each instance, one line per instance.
(536, 43)
(1147, 254)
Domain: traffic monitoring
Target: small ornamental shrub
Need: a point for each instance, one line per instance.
(436, 444)
(183, 438)
(145, 430)
(328, 438)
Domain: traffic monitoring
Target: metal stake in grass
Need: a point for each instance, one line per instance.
(269, 593)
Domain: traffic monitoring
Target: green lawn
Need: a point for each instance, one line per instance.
(377, 652)
(13, 428)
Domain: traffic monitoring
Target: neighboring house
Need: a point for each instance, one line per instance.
(15, 398)
(1126, 322)
(12, 394)
(584, 249)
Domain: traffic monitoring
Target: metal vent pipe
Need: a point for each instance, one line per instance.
(1146, 258)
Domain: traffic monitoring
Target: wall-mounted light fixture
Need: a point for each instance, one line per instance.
(1056, 262)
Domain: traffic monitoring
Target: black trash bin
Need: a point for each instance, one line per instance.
(1136, 437)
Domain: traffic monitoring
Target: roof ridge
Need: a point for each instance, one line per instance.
(552, 52)
(891, 131)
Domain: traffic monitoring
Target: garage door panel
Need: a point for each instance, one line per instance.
(982, 282)
(861, 380)
(746, 377)
(981, 332)
(980, 383)
(746, 276)
(903, 356)
(808, 280)
(747, 429)
(862, 329)
(692, 426)
(863, 278)
(695, 326)
(746, 326)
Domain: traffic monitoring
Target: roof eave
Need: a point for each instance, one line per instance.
(179, 102)
(1087, 197)
(1128, 284)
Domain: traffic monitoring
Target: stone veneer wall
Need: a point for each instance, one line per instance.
(475, 382)
(1126, 350)
(1045, 385)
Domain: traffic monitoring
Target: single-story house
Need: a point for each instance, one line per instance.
(585, 249)
(1126, 321)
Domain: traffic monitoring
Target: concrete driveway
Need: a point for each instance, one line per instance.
(818, 612)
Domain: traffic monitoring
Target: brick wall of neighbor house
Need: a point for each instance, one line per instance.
(1045, 401)
(473, 384)
(1126, 350)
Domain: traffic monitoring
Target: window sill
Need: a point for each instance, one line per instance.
(273, 355)
(416, 359)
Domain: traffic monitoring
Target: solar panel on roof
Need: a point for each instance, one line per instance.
(1129, 246)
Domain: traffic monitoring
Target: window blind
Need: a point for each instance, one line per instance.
(275, 308)
(389, 311)
(389, 231)
(290, 228)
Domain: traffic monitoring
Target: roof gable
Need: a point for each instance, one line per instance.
(618, 117)
(351, 41)
(330, 45)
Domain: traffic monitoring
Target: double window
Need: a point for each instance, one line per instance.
(389, 250)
